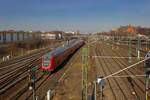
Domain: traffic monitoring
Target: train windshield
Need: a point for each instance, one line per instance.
(46, 61)
(46, 58)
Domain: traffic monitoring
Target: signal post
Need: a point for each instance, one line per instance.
(31, 83)
(147, 68)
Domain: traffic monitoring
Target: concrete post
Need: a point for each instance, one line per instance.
(49, 95)
(95, 91)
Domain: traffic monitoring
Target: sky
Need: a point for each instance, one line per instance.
(84, 15)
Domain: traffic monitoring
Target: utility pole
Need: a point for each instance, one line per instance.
(84, 74)
(117, 40)
(101, 92)
(86, 83)
(146, 86)
(129, 47)
(95, 92)
(112, 42)
(138, 46)
(147, 68)
(88, 46)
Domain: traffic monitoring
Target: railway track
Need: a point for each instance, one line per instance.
(105, 70)
(23, 59)
(12, 62)
(117, 63)
(16, 73)
(102, 72)
(142, 49)
(137, 84)
(107, 64)
(41, 83)
(26, 90)
(17, 76)
(56, 77)
(18, 68)
(134, 49)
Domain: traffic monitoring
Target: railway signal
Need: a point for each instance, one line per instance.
(147, 67)
(32, 75)
(101, 83)
(31, 83)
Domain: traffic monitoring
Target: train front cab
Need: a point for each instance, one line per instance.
(47, 64)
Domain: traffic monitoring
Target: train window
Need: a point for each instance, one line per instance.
(46, 62)
(46, 58)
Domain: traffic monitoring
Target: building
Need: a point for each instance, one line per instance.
(73, 32)
(70, 32)
(52, 35)
(11, 30)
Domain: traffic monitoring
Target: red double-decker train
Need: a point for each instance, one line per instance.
(53, 59)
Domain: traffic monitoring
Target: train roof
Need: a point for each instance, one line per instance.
(61, 49)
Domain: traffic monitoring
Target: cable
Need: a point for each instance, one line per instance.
(129, 76)
(126, 68)
(110, 57)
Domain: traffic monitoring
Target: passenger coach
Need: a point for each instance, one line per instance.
(53, 59)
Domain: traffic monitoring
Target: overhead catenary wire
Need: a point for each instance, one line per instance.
(110, 57)
(125, 76)
(126, 68)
